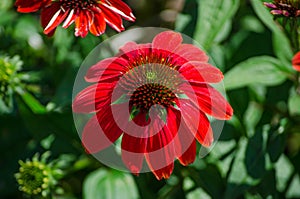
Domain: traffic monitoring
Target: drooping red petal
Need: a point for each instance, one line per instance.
(121, 8)
(52, 16)
(163, 173)
(197, 123)
(100, 132)
(296, 62)
(30, 5)
(93, 98)
(189, 52)
(82, 23)
(209, 99)
(98, 25)
(133, 149)
(187, 157)
(200, 72)
(168, 41)
(114, 20)
(160, 146)
(109, 69)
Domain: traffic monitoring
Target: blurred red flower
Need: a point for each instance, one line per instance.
(157, 96)
(88, 15)
(296, 61)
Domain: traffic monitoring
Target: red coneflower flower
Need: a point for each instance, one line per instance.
(157, 96)
(88, 15)
(296, 62)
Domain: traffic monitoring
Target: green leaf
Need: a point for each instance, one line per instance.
(208, 176)
(47, 142)
(252, 117)
(262, 70)
(33, 103)
(276, 141)
(255, 155)
(284, 169)
(124, 98)
(214, 20)
(109, 185)
(267, 186)
(238, 179)
(294, 103)
(283, 51)
(182, 21)
(294, 191)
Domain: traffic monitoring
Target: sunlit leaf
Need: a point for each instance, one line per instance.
(262, 70)
(214, 20)
(109, 185)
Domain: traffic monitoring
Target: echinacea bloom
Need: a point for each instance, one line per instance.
(156, 96)
(287, 8)
(88, 15)
(296, 62)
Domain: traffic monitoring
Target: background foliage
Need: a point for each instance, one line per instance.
(258, 154)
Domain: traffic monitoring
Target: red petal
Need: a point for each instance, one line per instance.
(200, 72)
(160, 146)
(189, 52)
(107, 70)
(135, 53)
(196, 123)
(100, 132)
(210, 100)
(296, 62)
(189, 155)
(70, 19)
(133, 149)
(113, 19)
(163, 172)
(121, 8)
(167, 40)
(30, 5)
(98, 26)
(129, 47)
(82, 23)
(52, 16)
(93, 98)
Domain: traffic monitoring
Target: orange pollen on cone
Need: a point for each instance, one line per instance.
(150, 94)
(151, 83)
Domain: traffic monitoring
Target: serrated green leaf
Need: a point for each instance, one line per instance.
(109, 185)
(214, 17)
(262, 70)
